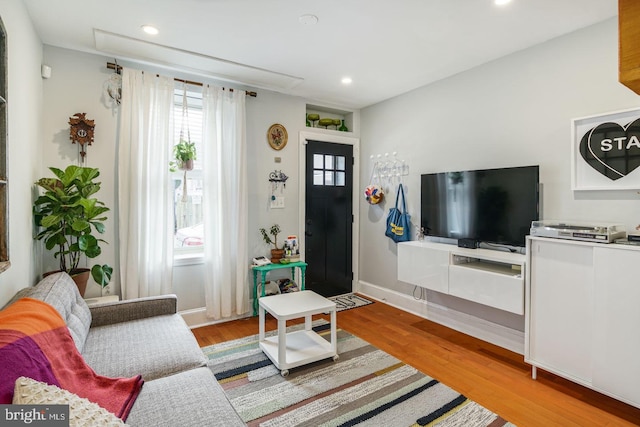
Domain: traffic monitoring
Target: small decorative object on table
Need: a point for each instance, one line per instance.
(421, 233)
(291, 249)
(276, 253)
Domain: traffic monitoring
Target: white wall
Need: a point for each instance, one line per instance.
(511, 112)
(76, 86)
(24, 52)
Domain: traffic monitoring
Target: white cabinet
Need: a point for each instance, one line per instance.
(423, 265)
(561, 308)
(582, 314)
(616, 365)
(488, 277)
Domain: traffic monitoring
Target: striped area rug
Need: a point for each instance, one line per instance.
(365, 387)
(349, 301)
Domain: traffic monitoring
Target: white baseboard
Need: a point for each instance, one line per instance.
(197, 317)
(494, 333)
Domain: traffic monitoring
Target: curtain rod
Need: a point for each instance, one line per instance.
(118, 68)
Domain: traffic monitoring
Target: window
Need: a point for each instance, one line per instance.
(329, 170)
(187, 185)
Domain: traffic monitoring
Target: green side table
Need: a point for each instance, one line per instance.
(264, 269)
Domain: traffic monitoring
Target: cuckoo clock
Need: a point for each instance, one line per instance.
(81, 131)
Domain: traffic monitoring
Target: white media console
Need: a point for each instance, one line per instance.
(583, 314)
(488, 277)
(580, 300)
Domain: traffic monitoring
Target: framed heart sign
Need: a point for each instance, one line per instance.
(606, 151)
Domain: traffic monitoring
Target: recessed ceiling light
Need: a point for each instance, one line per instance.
(308, 19)
(150, 29)
(501, 2)
(346, 81)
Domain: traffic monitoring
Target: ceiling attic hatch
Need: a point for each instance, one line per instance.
(141, 51)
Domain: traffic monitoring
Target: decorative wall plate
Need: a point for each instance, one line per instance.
(277, 136)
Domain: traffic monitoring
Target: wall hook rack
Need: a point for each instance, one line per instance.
(388, 167)
(277, 178)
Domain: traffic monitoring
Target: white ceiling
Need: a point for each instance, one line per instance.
(387, 48)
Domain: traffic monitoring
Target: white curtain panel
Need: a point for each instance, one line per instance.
(144, 196)
(225, 202)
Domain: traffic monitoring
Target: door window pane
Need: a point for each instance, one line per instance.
(328, 178)
(329, 170)
(328, 161)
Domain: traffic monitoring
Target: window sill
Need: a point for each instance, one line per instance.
(188, 259)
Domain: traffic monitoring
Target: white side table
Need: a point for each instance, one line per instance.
(288, 350)
(101, 300)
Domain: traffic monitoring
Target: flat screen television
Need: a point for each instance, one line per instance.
(489, 205)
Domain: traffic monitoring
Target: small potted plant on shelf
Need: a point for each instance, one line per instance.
(184, 153)
(276, 253)
(68, 217)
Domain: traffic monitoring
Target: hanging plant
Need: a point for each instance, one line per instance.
(184, 154)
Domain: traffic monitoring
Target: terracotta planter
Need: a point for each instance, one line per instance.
(276, 255)
(187, 165)
(80, 276)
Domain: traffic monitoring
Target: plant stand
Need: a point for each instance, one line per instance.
(264, 269)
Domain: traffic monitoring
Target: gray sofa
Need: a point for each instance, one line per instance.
(144, 336)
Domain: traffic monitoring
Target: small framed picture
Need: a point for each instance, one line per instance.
(277, 136)
(605, 152)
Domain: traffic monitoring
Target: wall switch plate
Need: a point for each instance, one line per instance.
(277, 203)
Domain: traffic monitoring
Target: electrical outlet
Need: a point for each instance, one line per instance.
(277, 203)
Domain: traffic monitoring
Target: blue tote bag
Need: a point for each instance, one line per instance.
(398, 221)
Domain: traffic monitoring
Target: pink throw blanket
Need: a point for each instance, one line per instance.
(35, 342)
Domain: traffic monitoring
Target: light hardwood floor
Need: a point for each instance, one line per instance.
(494, 377)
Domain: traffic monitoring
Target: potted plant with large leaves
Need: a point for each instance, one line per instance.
(69, 216)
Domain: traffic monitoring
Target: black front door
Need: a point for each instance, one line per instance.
(329, 218)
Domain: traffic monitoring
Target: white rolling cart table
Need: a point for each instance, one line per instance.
(289, 350)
